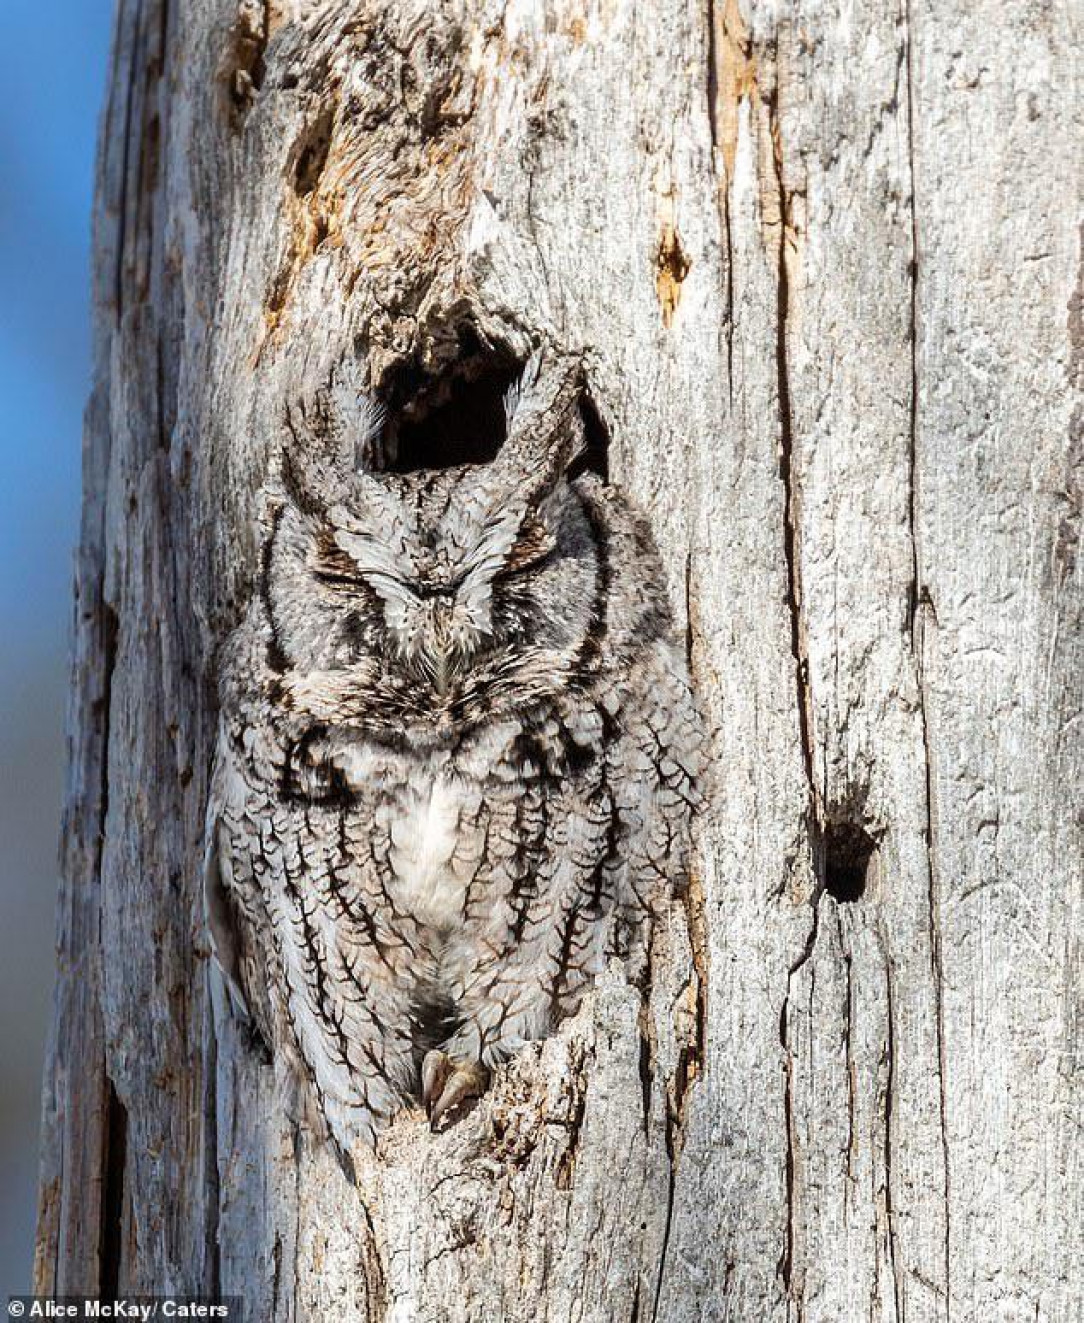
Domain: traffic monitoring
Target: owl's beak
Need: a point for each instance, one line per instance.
(444, 642)
(442, 674)
(441, 648)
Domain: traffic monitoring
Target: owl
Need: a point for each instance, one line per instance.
(457, 762)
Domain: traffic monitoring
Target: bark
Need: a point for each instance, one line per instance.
(824, 265)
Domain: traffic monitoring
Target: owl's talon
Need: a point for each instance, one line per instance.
(448, 1083)
(435, 1069)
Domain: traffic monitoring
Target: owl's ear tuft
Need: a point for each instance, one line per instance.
(357, 427)
(329, 462)
(331, 432)
(545, 424)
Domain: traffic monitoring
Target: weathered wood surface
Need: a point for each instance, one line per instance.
(824, 263)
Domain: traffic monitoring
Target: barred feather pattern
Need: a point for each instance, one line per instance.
(448, 789)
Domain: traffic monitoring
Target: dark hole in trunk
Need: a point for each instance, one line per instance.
(457, 417)
(311, 154)
(848, 855)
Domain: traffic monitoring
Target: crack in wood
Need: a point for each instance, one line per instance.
(914, 594)
(791, 512)
(105, 648)
(646, 1062)
(276, 1274)
(919, 619)
(937, 972)
(785, 1266)
(666, 1233)
(848, 1057)
(694, 1053)
(111, 1218)
(376, 1283)
(566, 1163)
(731, 78)
(213, 1249)
(687, 1070)
(890, 1092)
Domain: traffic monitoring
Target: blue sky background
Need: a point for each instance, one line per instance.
(53, 82)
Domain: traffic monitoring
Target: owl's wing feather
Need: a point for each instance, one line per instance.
(221, 920)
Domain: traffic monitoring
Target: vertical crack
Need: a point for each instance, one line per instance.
(785, 1267)
(690, 1061)
(919, 608)
(849, 1063)
(714, 57)
(713, 77)
(937, 974)
(276, 1275)
(890, 1089)
(695, 1053)
(213, 1249)
(646, 1064)
(101, 710)
(913, 429)
(375, 1278)
(729, 294)
(731, 78)
(786, 470)
(114, 1163)
(667, 1226)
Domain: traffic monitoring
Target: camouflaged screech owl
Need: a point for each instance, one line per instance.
(456, 763)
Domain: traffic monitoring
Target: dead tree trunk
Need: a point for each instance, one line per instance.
(820, 260)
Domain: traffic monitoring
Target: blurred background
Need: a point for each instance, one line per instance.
(54, 75)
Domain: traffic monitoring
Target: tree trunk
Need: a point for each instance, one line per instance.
(821, 262)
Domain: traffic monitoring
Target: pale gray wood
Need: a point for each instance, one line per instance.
(823, 261)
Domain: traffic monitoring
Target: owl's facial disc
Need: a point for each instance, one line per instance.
(441, 591)
(436, 618)
(435, 587)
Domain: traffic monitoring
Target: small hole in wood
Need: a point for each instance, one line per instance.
(311, 154)
(848, 856)
(595, 456)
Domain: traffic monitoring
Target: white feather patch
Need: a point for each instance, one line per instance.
(424, 840)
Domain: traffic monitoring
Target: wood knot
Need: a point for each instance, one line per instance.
(671, 268)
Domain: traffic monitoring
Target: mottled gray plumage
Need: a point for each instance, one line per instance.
(456, 764)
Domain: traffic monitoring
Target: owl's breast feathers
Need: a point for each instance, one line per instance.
(431, 868)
